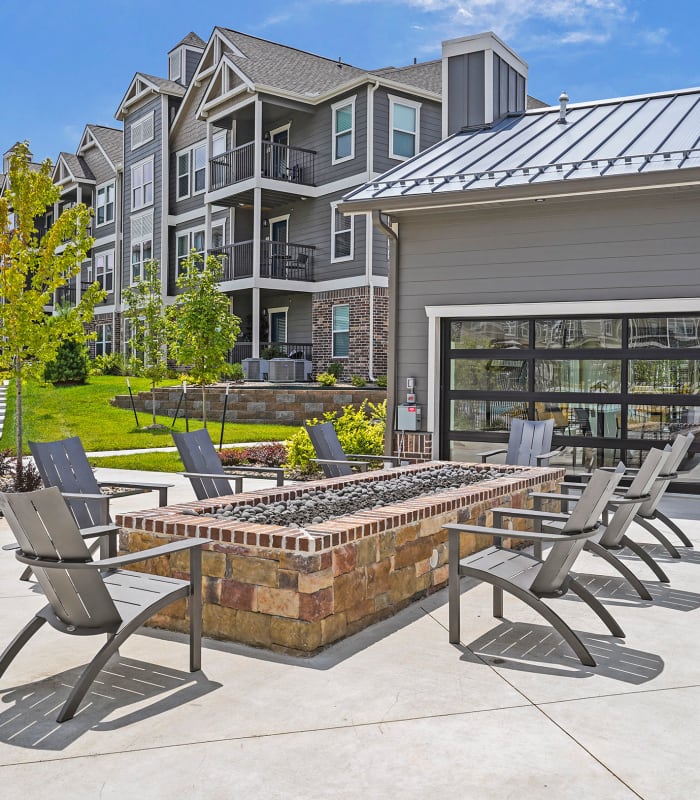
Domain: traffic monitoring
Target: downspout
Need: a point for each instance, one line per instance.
(118, 256)
(369, 260)
(392, 338)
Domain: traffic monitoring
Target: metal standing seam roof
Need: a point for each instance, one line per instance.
(625, 136)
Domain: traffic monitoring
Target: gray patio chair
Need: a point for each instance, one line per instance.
(89, 597)
(612, 536)
(205, 471)
(528, 578)
(529, 443)
(334, 461)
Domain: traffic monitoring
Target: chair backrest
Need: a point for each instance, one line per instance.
(584, 420)
(197, 452)
(529, 439)
(326, 444)
(45, 529)
(676, 453)
(584, 517)
(641, 487)
(64, 464)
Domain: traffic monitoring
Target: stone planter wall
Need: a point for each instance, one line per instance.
(297, 591)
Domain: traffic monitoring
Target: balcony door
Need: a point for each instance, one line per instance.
(276, 155)
(279, 236)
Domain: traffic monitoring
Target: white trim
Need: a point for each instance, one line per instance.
(140, 123)
(189, 234)
(189, 151)
(402, 101)
(103, 240)
(173, 56)
(339, 330)
(186, 216)
(105, 186)
(138, 165)
(279, 129)
(347, 101)
(335, 259)
(670, 305)
(280, 310)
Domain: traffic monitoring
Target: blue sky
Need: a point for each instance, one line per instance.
(64, 64)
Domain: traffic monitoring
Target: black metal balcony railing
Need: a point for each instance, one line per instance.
(243, 350)
(64, 296)
(282, 260)
(279, 162)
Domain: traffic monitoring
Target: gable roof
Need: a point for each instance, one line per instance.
(143, 84)
(629, 137)
(75, 167)
(426, 76)
(191, 40)
(111, 140)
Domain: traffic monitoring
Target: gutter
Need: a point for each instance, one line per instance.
(369, 260)
(386, 229)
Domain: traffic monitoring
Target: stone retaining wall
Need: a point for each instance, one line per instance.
(270, 403)
(297, 591)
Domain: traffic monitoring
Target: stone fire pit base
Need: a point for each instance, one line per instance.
(296, 591)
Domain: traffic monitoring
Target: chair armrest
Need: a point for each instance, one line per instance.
(361, 464)
(278, 472)
(161, 488)
(529, 513)
(569, 498)
(371, 457)
(489, 453)
(545, 456)
(500, 533)
(87, 533)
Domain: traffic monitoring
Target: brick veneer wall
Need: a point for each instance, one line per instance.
(357, 362)
(297, 591)
(105, 319)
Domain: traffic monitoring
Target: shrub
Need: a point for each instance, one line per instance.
(17, 478)
(326, 379)
(233, 372)
(272, 351)
(109, 364)
(264, 455)
(358, 380)
(335, 368)
(360, 430)
(380, 380)
(72, 364)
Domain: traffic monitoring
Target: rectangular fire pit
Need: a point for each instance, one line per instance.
(296, 590)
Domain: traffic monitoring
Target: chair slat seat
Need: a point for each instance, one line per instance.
(516, 567)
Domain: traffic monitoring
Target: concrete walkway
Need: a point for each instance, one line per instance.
(393, 712)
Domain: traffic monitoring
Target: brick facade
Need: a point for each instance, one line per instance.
(113, 319)
(357, 362)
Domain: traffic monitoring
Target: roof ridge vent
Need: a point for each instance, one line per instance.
(563, 100)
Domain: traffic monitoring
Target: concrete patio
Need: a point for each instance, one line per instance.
(393, 711)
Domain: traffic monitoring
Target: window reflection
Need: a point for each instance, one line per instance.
(578, 333)
(489, 334)
(481, 374)
(668, 376)
(484, 415)
(589, 375)
(664, 332)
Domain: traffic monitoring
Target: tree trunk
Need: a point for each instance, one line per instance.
(153, 403)
(204, 404)
(18, 416)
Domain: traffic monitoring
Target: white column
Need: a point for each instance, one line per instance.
(256, 322)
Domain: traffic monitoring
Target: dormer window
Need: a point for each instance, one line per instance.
(175, 65)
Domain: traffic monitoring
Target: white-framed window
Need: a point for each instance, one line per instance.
(343, 130)
(142, 184)
(175, 65)
(186, 242)
(218, 234)
(141, 253)
(103, 342)
(143, 130)
(104, 205)
(191, 170)
(104, 270)
(277, 331)
(342, 235)
(404, 128)
(218, 144)
(341, 331)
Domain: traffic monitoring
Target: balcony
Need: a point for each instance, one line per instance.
(243, 350)
(279, 260)
(280, 162)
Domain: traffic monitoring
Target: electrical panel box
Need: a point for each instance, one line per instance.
(408, 417)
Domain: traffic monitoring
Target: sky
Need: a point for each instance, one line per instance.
(66, 63)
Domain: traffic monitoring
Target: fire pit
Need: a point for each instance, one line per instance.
(294, 577)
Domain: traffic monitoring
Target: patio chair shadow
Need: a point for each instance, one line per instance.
(528, 647)
(616, 591)
(659, 553)
(29, 720)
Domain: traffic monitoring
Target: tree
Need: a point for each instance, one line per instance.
(148, 328)
(31, 270)
(201, 327)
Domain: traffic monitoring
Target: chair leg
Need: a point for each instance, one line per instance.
(656, 533)
(18, 642)
(26, 574)
(623, 569)
(674, 527)
(453, 587)
(88, 676)
(195, 609)
(597, 607)
(638, 550)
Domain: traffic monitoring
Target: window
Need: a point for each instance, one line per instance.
(404, 125)
(278, 325)
(341, 331)
(143, 130)
(175, 65)
(218, 144)
(186, 242)
(191, 171)
(103, 342)
(218, 235)
(104, 270)
(341, 236)
(141, 253)
(105, 204)
(142, 184)
(343, 130)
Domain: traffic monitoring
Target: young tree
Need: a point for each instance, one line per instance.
(201, 327)
(31, 270)
(145, 312)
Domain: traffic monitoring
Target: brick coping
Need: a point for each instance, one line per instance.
(174, 520)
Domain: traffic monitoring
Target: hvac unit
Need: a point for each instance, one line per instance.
(255, 369)
(302, 370)
(281, 370)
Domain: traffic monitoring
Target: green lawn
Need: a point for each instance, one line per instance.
(55, 412)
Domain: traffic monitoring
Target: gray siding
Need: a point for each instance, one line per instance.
(430, 127)
(189, 131)
(192, 58)
(585, 250)
(131, 157)
(467, 91)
